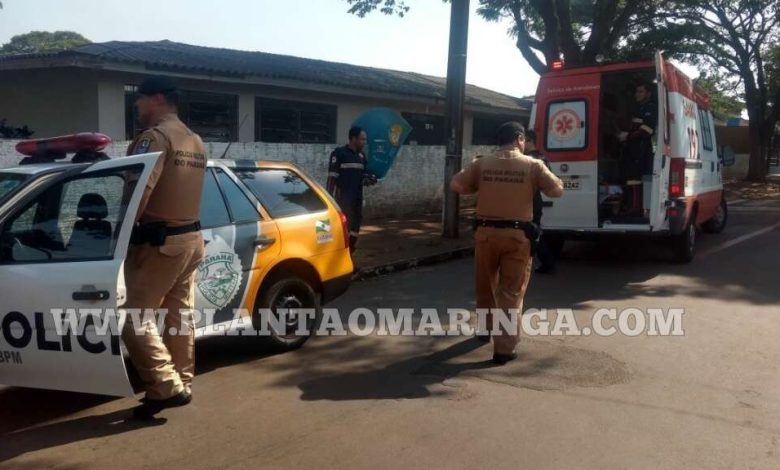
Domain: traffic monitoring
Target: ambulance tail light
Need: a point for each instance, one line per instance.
(677, 178)
(345, 229)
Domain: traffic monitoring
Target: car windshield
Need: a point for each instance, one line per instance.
(9, 182)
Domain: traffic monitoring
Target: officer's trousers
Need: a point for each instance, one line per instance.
(502, 268)
(162, 277)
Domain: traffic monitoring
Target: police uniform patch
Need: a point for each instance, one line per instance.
(142, 146)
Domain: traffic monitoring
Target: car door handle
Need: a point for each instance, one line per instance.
(264, 241)
(91, 295)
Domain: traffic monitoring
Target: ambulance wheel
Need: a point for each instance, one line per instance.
(718, 222)
(684, 244)
(282, 297)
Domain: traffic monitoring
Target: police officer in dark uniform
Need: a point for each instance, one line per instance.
(638, 157)
(346, 177)
(543, 253)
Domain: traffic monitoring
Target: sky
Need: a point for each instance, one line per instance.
(317, 29)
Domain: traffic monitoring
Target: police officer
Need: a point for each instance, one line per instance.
(638, 159)
(546, 258)
(166, 248)
(346, 177)
(505, 183)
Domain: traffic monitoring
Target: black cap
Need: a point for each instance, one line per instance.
(157, 84)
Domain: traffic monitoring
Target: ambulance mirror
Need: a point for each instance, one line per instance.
(727, 155)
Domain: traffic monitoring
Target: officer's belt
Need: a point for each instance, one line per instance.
(155, 233)
(532, 231)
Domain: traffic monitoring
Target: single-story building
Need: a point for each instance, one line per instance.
(231, 95)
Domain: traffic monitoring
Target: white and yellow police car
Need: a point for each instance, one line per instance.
(274, 240)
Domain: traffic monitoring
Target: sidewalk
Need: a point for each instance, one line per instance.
(390, 245)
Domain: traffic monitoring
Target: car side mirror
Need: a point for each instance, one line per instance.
(727, 155)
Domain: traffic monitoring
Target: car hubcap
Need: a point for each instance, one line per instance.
(287, 307)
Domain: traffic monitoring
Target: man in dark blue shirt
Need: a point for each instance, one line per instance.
(346, 177)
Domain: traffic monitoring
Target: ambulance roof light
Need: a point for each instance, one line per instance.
(557, 65)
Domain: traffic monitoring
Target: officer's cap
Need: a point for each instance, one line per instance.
(157, 85)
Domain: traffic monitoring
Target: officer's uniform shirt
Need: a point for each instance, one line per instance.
(506, 183)
(346, 170)
(174, 189)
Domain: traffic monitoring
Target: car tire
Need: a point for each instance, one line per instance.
(718, 222)
(684, 244)
(286, 292)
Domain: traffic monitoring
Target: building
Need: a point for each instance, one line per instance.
(231, 95)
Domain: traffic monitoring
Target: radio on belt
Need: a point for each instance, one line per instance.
(86, 146)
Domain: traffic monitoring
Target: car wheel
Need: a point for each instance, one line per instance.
(684, 244)
(717, 223)
(288, 299)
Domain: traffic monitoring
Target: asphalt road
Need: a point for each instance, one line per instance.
(708, 399)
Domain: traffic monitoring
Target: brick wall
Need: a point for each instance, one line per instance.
(413, 185)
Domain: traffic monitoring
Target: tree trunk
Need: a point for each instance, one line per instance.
(757, 168)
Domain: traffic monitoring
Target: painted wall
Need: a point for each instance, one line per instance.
(414, 185)
(53, 102)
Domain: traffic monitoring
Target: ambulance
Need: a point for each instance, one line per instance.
(275, 241)
(579, 115)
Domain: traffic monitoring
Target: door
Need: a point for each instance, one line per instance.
(239, 243)
(61, 250)
(659, 191)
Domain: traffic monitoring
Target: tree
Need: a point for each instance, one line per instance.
(724, 96)
(43, 41)
(547, 30)
(738, 38)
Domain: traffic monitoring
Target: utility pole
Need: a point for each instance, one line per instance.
(456, 90)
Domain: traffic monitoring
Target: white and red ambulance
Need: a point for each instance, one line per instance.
(579, 116)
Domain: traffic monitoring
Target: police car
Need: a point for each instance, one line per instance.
(274, 239)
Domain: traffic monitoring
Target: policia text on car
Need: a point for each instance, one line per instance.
(166, 248)
(505, 183)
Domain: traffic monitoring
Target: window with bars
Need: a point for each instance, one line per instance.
(283, 121)
(213, 116)
(427, 129)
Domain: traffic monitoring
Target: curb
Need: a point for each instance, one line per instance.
(404, 265)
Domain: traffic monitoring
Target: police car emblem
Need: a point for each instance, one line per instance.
(219, 274)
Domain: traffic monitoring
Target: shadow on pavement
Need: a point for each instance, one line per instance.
(66, 432)
(395, 381)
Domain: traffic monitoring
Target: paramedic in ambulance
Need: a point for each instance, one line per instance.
(638, 151)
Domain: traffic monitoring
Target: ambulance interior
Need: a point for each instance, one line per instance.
(621, 200)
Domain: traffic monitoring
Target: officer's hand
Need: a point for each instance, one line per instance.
(369, 179)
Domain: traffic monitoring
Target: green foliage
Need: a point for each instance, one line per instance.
(43, 41)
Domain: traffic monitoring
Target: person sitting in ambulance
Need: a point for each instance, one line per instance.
(637, 159)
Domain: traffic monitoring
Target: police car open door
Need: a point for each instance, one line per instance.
(63, 240)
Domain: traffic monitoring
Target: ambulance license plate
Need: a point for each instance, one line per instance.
(570, 184)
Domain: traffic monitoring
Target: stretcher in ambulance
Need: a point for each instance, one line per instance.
(582, 117)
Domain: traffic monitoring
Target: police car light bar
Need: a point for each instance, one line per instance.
(57, 148)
